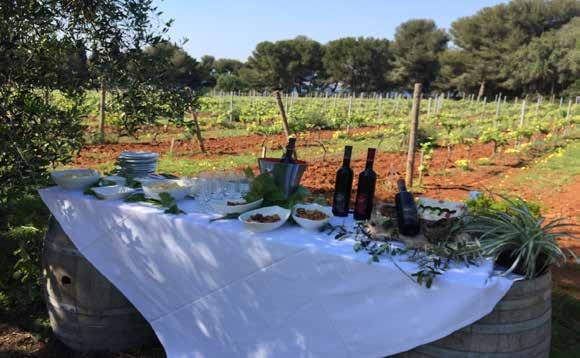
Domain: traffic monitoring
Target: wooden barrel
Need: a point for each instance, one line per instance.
(518, 327)
(87, 313)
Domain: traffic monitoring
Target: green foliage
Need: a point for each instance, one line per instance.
(20, 249)
(502, 39)
(264, 186)
(44, 73)
(416, 47)
(359, 63)
(463, 164)
(517, 232)
(488, 203)
(286, 64)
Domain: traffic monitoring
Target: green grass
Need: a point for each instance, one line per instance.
(555, 170)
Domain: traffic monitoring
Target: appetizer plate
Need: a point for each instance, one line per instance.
(178, 189)
(75, 179)
(113, 192)
(433, 209)
(255, 226)
(234, 206)
(310, 224)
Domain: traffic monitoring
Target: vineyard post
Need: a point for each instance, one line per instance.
(286, 103)
(523, 113)
(484, 104)
(197, 131)
(231, 104)
(569, 111)
(380, 106)
(537, 107)
(282, 113)
(429, 107)
(102, 104)
(561, 103)
(349, 106)
(497, 109)
(413, 134)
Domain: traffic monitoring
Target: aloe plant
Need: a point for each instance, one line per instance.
(527, 238)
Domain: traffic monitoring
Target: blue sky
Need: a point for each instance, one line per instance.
(229, 28)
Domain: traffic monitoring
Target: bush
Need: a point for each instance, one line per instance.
(20, 250)
(462, 164)
(484, 161)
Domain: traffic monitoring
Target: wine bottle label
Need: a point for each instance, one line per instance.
(361, 203)
(339, 201)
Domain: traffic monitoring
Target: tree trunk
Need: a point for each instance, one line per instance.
(481, 90)
(197, 131)
(413, 134)
(282, 113)
(103, 94)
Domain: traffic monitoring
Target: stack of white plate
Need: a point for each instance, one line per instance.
(137, 164)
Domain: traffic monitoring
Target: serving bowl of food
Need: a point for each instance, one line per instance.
(311, 216)
(75, 179)
(265, 219)
(234, 206)
(112, 192)
(177, 188)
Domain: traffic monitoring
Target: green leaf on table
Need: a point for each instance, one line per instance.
(174, 209)
(264, 186)
(132, 183)
(249, 173)
(166, 199)
(135, 198)
(90, 191)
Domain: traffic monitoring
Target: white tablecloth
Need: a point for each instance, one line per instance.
(217, 290)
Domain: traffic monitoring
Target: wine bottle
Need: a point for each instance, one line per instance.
(343, 185)
(365, 193)
(288, 156)
(406, 211)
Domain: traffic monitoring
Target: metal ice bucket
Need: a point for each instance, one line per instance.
(286, 175)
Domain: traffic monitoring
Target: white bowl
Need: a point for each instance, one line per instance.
(312, 224)
(194, 186)
(222, 207)
(118, 180)
(75, 179)
(177, 188)
(262, 227)
(113, 192)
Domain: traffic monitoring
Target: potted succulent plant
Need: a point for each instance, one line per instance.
(517, 236)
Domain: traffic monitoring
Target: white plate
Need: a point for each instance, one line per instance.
(153, 189)
(222, 207)
(75, 179)
(113, 192)
(262, 227)
(312, 224)
(423, 203)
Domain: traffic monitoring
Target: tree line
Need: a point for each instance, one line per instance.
(523, 47)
